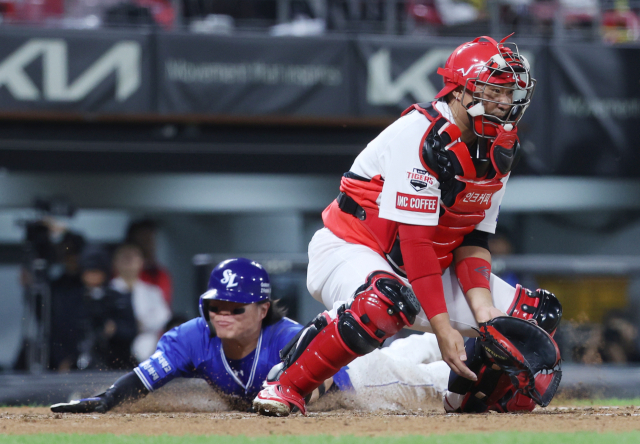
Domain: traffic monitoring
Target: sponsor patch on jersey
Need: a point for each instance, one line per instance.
(157, 367)
(480, 198)
(419, 179)
(419, 204)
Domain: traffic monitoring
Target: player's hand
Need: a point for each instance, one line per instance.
(481, 305)
(503, 148)
(86, 405)
(451, 346)
(485, 314)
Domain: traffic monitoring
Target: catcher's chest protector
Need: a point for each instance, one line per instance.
(467, 183)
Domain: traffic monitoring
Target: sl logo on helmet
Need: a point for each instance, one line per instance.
(229, 279)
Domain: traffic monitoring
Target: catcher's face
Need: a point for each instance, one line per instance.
(236, 321)
(496, 99)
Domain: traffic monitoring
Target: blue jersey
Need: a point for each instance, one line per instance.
(188, 351)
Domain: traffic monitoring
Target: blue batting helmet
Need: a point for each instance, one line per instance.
(236, 280)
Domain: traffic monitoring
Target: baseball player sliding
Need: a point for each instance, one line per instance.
(237, 339)
(406, 244)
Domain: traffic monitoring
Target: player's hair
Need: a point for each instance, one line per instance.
(140, 225)
(274, 314)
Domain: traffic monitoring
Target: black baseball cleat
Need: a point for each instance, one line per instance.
(86, 405)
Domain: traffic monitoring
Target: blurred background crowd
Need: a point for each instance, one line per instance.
(614, 21)
(92, 305)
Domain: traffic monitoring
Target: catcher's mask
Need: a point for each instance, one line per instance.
(476, 66)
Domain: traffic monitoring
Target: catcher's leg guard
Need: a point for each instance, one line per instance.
(380, 308)
(494, 390)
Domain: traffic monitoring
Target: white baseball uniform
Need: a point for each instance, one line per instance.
(409, 195)
(407, 374)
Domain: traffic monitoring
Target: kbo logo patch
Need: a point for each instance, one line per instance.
(419, 204)
(419, 179)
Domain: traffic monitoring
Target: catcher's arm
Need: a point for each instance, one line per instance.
(424, 274)
(473, 269)
(127, 388)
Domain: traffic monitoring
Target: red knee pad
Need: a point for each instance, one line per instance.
(384, 305)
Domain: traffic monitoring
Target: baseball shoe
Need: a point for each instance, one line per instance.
(274, 400)
(86, 405)
(452, 402)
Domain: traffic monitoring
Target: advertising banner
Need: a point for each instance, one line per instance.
(253, 76)
(593, 110)
(75, 71)
(584, 118)
(394, 73)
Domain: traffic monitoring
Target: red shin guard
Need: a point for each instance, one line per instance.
(324, 356)
(381, 308)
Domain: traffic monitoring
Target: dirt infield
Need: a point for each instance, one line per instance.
(26, 420)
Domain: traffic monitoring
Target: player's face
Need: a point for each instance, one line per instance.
(236, 321)
(497, 99)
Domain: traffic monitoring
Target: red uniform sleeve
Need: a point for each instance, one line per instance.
(423, 267)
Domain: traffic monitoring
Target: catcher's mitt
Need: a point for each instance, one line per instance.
(523, 350)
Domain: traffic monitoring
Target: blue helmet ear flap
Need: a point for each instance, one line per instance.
(203, 307)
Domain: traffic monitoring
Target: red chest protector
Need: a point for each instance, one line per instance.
(466, 190)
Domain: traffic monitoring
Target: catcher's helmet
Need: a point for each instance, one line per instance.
(484, 61)
(236, 280)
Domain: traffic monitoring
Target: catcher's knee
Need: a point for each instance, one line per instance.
(540, 305)
(381, 307)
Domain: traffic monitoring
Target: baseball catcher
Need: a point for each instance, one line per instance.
(406, 241)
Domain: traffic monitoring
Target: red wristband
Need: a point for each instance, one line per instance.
(473, 272)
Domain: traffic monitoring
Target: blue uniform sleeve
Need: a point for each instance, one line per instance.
(288, 329)
(342, 380)
(173, 356)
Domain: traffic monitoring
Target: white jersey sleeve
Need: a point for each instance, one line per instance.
(490, 220)
(410, 194)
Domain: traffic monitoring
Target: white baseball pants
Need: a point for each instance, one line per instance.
(337, 268)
